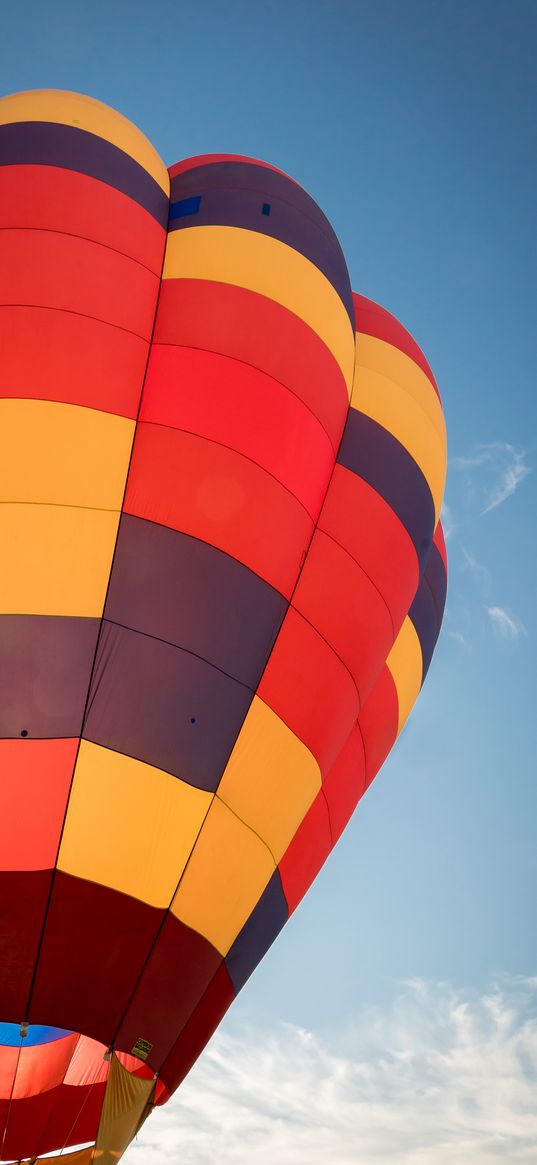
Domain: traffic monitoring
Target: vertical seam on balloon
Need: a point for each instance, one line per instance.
(95, 657)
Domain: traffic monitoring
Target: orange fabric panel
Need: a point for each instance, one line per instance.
(36, 777)
(215, 494)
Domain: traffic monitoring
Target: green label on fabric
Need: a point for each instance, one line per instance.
(141, 1048)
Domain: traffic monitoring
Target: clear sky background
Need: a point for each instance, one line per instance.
(395, 1019)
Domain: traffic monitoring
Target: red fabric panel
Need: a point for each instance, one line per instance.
(346, 782)
(74, 1117)
(244, 409)
(378, 723)
(47, 269)
(307, 852)
(357, 517)
(207, 159)
(43, 1123)
(26, 1121)
(36, 777)
(214, 494)
(440, 544)
(58, 355)
(218, 317)
(23, 899)
(208, 1014)
(50, 198)
(339, 599)
(309, 687)
(95, 944)
(374, 320)
(178, 972)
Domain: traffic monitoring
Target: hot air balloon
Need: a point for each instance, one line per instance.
(223, 577)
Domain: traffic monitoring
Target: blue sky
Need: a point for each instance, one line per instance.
(412, 124)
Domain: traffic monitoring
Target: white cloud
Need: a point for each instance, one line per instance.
(448, 521)
(440, 1077)
(502, 469)
(508, 626)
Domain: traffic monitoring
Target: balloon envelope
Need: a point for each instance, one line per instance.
(223, 580)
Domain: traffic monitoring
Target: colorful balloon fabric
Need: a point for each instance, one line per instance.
(223, 579)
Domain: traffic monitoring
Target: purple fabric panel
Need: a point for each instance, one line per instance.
(424, 616)
(261, 181)
(435, 573)
(188, 593)
(178, 971)
(46, 143)
(243, 208)
(95, 944)
(258, 933)
(160, 704)
(45, 667)
(371, 452)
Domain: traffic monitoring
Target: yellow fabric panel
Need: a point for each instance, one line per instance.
(271, 778)
(56, 559)
(395, 365)
(63, 454)
(79, 1157)
(406, 666)
(127, 1101)
(225, 878)
(129, 826)
(66, 108)
(393, 408)
(271, 268)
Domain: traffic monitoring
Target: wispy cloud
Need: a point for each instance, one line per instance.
(440, 1076)
(503, 468)
(448, 521)
(507, 626)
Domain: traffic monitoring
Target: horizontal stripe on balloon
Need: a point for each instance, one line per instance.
(270, 779)
(370, 451)
(253, 261)
(49, 198)
(363, 523)
(374, 320)
(199, 1029)
(191, 594)
(226, 875)
(310, 689)
(406, 666)
(307, 852)
(76, 109)
(167, 707)
(52, 270)
(52, 144)
(258, 933)
(221, 497)
(242, 408)
(240, 207)
(234, 322)
(51, 354)
(168, 813)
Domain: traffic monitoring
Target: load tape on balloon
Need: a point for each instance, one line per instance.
(223, 578)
